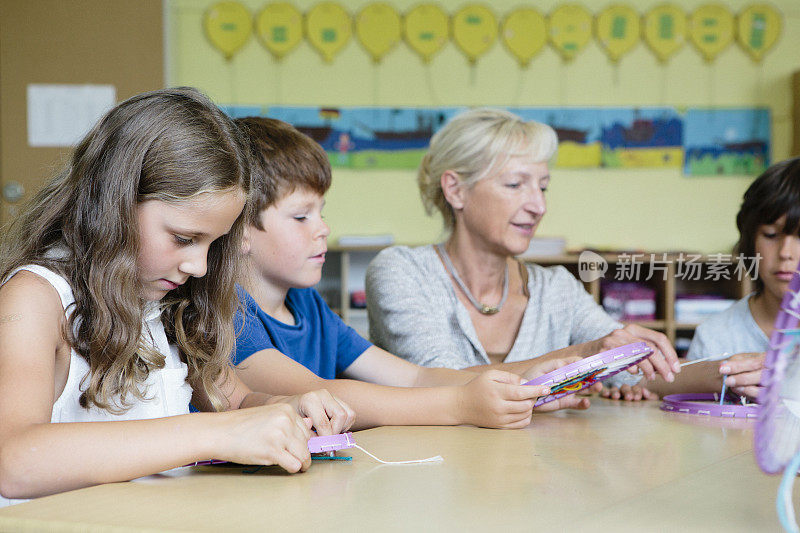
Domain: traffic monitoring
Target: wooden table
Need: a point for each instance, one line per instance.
(615, 467)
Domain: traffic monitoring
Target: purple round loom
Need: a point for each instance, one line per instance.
(777, 432)
(706, 403)
(581, 374)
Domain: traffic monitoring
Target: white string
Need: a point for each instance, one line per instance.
(428, 460)
(695, 361)
(791, 313)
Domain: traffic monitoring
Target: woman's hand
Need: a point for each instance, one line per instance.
(663, 361)
(266, 435)
(629, 393)
(744, 373)
(496, 399)
(328, 414)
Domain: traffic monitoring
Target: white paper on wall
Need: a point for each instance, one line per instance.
(60, 115)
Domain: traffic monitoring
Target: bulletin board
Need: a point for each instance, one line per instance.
(627, 70)
(703, 141)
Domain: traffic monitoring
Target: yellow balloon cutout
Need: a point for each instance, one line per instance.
(665, 30)
(328, 27)
(524, 33)
(569, 29)
(279, 27)
(474, 30)
(426, 29)
(711, 29)
(618, 30)
(379, 29)
(228, 26)
(759, 27)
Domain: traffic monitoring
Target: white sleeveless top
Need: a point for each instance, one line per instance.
(166, 391)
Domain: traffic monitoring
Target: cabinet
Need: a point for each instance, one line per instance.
(344, 274)
(669, 275)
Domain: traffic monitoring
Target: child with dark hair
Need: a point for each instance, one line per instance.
(285, 244)
(769, 239)
(769, 233)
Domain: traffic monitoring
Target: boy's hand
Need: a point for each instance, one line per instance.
(496, 399)
(571, 401)
(664, 360)
(329, 415)
(629, 393)
(541, 368)
(266, 435)
(744, 373)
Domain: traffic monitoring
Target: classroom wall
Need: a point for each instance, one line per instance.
(653, 209)
(76, 42)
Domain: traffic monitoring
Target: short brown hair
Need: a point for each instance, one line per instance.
(283, 159)
(773, 194)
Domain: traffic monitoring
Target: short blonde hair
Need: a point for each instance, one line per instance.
(474, 144)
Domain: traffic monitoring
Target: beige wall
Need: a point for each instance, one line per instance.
(120, 42)
(115, 42)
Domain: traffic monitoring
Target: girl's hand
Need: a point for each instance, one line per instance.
(744, 373)
(496, 399)
(267, 435)
(329, 415)
(629, 393)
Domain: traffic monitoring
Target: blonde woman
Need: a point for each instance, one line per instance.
(467, 302)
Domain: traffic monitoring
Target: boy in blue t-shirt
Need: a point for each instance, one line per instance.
(284, 246)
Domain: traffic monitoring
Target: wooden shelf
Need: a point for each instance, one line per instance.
(346, 266)
(650, 324)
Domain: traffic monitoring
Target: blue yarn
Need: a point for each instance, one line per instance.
(784, 501)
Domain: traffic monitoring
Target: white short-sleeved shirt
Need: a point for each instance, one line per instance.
(732, 331)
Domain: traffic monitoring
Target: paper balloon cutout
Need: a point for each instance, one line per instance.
(379, 29)
(279, 27)
(665, 30)
(228, 26)
(570, 28)
(618, 30)
(474, 30)
(328, 27)
(426, 29)
(711, 29)
(524, 34)
(759, 27)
